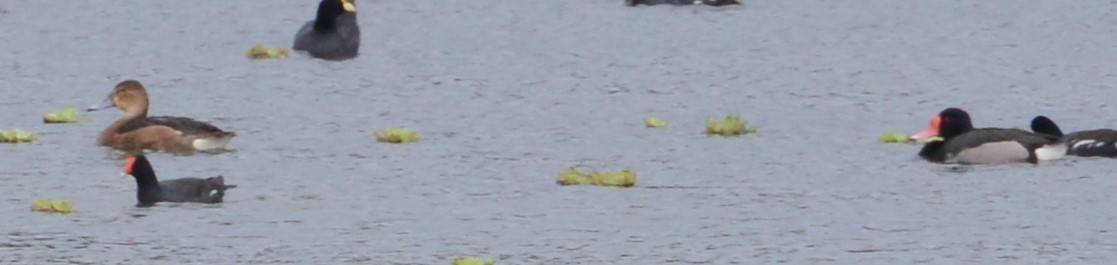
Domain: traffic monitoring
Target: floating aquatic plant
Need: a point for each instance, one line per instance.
(472, 261)
(732, 125)
(16, 136)
(573, 176)
(653, 122)
(52, 206)
(259, 51)
(892, 137)
(397, 136)
(67, 115)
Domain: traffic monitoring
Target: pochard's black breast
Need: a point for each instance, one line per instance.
(933, 151)
(187, 126)
(1101, 142)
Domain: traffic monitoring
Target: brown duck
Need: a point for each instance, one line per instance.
(135, 131)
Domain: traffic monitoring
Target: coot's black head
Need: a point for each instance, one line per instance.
(1043, 125)
(329, 10)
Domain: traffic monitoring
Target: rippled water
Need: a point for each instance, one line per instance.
(509, 93)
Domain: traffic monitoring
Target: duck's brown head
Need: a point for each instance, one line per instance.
(129, 96)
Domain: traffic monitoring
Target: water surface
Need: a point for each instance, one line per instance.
(509, 93)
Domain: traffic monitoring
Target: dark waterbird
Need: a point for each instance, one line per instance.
(135, 131)
(150, 190)
(965, 145)
(1099, 142)
(333, 34)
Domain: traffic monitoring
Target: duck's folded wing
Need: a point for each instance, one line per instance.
(983, 136)
(210, 190)
(186, 126)
(1100, 135)
(1100, 142)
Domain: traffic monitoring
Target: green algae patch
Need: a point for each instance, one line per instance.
(397, 136)
(732, 125)
(574, 176)
(893, 137)
(472, 261)
(67, 115)
(259, 51)
(52, 206)
(653, 122)
(16, 136)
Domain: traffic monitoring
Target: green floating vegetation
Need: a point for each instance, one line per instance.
(472, 261)
(623, 178)
(653, 122)
(732, 125)
(397, 136)
(16, 136)
(52, 206)
(892, 137)
(67, 115)
(259, 51)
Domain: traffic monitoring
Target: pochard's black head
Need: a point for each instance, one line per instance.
(954, 122)
(949, 123)
(139, 168)
(1043, 125)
